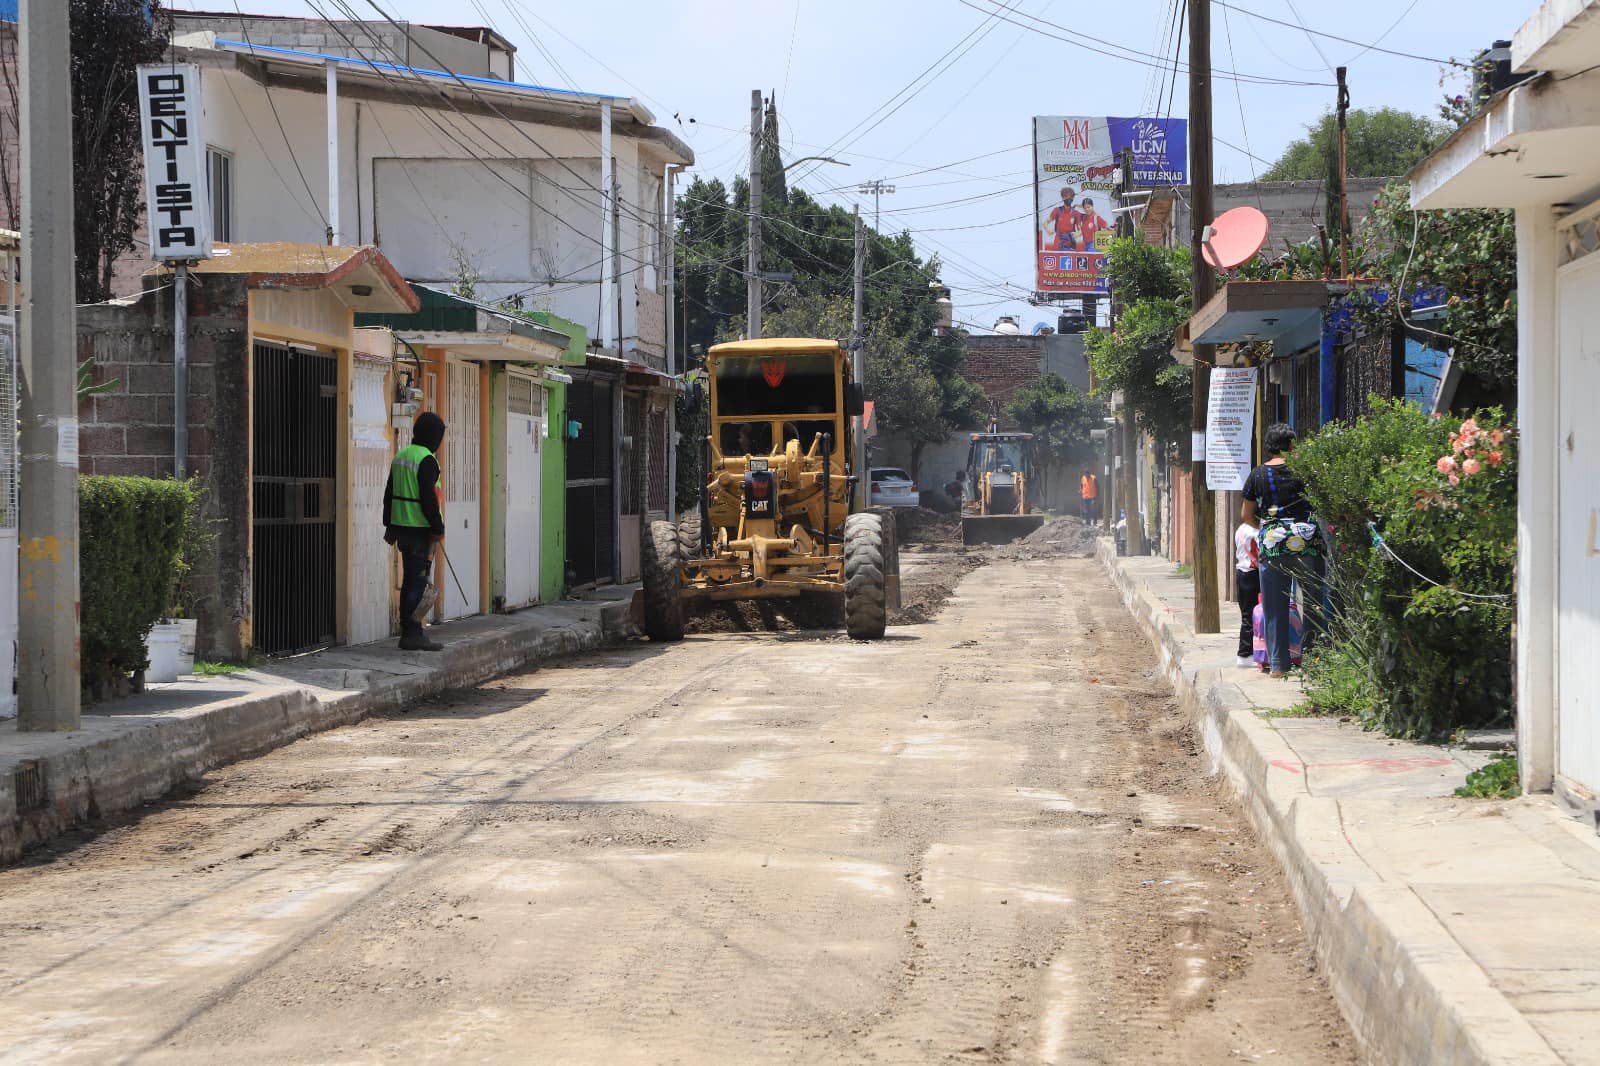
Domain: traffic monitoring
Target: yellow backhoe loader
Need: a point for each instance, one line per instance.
(1000, 475)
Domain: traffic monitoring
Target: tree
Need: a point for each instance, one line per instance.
(1472, 255)
(1135, 355)
(1060, 418)
(110, 38)
(1378, 144)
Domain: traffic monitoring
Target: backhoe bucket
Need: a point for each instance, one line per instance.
(998, 528)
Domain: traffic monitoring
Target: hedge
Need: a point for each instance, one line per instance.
(130, 530)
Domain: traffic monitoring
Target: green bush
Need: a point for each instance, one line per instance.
(1496, 780)
(130, 533)
(1430, 613)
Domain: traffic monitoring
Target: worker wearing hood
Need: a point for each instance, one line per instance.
(413, 520)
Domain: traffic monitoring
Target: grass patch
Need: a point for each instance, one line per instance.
(1339, 682)
(1497, 780)
(203, 668)
(1183, 570)
(1303, 709)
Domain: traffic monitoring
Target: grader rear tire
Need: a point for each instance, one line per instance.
(689, 543)
(661, 561)
(866, 613)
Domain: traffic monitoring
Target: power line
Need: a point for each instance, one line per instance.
(1132, 55)
(266, 92)
(1365, 48)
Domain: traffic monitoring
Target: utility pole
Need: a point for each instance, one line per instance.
(858, 362)
(47, 637)
(1127, 474)
(877, 189)
(1344, 181)
(752, 311)
(1207, 609)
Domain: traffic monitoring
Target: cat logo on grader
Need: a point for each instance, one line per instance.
(782, 514)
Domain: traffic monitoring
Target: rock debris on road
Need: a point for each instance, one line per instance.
(987, 838)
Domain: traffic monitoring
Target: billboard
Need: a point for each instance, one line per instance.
(1075, 184)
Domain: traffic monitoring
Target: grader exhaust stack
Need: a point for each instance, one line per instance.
(1000, 474)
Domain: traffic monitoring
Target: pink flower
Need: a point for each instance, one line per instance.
(1470, 467)
(1446, 465)
(1495, 458)
(1469, 426)
(1454, 480)
(1498, 437)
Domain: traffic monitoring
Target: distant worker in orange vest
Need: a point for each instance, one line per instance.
(1089, 489)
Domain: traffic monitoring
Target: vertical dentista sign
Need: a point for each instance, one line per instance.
(171, 121)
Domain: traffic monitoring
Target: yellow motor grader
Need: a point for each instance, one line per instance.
(1000, 472)
(781, 512)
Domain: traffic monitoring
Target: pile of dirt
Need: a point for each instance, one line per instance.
(918, 525)
(738, 616)
(924, 591)
(1064, 536)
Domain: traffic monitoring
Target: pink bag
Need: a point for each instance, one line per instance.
(1258, 629)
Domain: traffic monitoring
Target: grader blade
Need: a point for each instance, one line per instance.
(998, 528)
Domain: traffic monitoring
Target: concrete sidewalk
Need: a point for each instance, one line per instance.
(1452, 931)
(135, 750)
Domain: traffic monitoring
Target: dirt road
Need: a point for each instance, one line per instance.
(984, 839)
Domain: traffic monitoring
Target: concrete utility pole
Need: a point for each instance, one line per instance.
(858, 346)
(1207, 609)
(752, 311)
(1128, 474)
(47, 642)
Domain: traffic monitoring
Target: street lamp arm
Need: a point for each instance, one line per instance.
(820, 158)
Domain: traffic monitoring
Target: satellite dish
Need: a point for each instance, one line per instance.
(1234, 237)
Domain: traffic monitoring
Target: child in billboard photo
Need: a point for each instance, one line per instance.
(1089, 225)
(1061, 223)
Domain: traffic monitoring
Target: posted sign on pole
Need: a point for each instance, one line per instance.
(171, 120)
(1230, 427)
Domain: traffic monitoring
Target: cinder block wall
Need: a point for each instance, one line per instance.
(129, 429)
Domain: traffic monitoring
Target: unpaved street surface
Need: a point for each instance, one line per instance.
(986, 838)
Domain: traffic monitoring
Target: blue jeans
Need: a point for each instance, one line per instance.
(1278, 576)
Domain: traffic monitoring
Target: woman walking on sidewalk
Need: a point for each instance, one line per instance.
(1290, 542)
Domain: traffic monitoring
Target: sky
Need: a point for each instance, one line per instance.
(936, 96)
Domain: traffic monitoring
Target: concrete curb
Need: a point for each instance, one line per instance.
(1410, 991)
(116, 763)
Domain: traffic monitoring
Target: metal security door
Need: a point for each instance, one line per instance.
(295, 459)
(524, 430)
(462, 493)
(372, 577)
(591, 527)
(1578, 563)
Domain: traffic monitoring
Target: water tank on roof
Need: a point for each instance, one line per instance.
(1007, 325)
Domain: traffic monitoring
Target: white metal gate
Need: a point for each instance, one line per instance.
(462, 494)
(524, 430)
(1578, 488)
(371, 570)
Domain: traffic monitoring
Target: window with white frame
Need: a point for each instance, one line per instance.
(219, 185)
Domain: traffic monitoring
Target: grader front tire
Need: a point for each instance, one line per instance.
(865, 606)
(661, 561)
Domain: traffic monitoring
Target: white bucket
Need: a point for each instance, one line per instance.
(162, 648)
(186, 634)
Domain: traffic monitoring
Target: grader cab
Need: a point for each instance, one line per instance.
(781, 511)
(1000, 470)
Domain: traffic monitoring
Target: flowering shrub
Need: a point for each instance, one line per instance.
(1423, 516)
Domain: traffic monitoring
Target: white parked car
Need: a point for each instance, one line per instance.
(893, 487)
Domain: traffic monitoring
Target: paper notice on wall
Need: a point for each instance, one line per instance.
(1197, 447)
(1230, 427)
(67, 442)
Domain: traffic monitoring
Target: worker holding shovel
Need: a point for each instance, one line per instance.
(414, 521)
